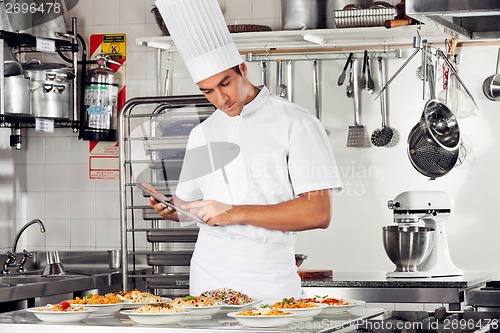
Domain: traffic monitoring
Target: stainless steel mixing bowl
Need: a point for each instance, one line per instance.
(408, 246)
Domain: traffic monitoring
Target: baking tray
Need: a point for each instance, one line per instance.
(169, 258)
(181, 235)
(167, 280)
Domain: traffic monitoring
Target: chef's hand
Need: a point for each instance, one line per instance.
(212, 212)
(162, 209)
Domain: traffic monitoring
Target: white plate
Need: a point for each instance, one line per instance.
(60, 316)
(333, 309)
(239, 307)
(306, 313)
(203, 311)
(263, 321)
(155, 318)
(134, 305)
(104, 309)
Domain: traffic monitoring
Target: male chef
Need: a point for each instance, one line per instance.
(273, 170)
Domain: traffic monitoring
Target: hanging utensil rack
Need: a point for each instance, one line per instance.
(152, 136)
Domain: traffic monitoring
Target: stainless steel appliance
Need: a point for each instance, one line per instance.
(432, 209)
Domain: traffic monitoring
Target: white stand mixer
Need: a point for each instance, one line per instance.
(433, 208)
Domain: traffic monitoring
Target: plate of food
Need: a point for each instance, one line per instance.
(135, 298)
(263, 317)
(335, 305)
(104, 305)
(304, 309)
(199, 306)
(230, 299)
(156, 314)
(61, 313)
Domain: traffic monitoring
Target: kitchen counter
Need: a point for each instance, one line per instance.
(23, 321)
(375, 287)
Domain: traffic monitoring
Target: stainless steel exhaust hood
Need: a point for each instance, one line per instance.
(475, 19)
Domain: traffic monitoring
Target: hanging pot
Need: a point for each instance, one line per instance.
(51, 89)
(300, 14)
(427, 157)
(437, 121)
(17, 91)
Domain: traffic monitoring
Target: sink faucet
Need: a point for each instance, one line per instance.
(11, 255)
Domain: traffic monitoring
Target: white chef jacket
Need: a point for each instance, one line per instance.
(271, 152)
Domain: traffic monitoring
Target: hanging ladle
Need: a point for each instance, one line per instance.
(383, 135)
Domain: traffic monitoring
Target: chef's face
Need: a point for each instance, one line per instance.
(228, 90)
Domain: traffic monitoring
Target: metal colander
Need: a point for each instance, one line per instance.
(427, 157)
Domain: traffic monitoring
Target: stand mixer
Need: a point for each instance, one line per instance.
(410, 209)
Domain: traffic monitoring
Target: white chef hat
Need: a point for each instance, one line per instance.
(200, 33)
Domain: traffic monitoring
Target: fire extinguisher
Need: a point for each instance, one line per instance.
(101, 96)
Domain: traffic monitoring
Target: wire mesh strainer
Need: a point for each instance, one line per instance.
(427, 157)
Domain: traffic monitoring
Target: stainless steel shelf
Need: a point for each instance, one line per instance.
(317, 41)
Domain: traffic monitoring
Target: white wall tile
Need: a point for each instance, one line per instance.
(58, 234)
(78, 151)
(35, 174)
(107, 185)
(35, 205)
(136, 72)
(133, 12)
(236, 11)
(107, 234)
(79, 179)
(266, 9)
(57, 205)
(83, 233)
(57, 177)
(35, 151)
(106, 12)
(56, 150)
(82, 205)
(107, 205)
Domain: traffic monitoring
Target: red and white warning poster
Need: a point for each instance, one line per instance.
(104, 160)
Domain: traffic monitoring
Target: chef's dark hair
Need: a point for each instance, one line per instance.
(237, 69)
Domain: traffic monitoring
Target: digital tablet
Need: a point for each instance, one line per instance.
(151, 191)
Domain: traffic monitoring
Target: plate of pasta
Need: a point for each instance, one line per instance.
(104, 305)
(263, 317)
(156, 314)
(304, 309)
(230, 299)
(61, 313)
(334, 305)
(135, 298)
(199, 306)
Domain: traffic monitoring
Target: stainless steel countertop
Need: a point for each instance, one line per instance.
(379, 280)
(374, 287)
(21, 321)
